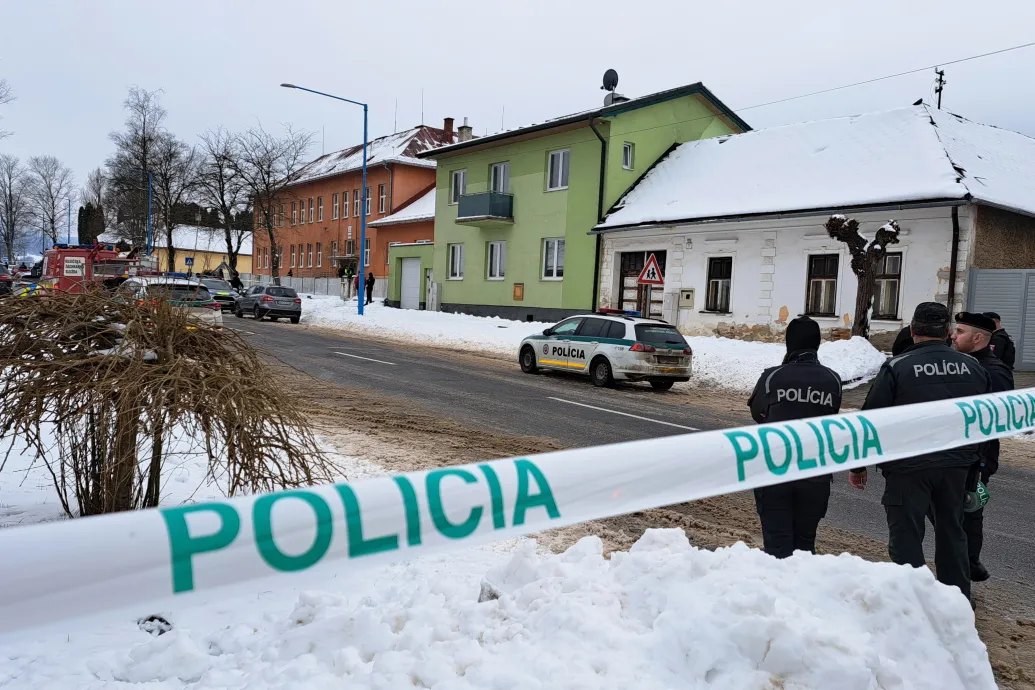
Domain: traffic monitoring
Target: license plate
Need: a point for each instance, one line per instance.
(670, 360)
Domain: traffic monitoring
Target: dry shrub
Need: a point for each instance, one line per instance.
(105, 391)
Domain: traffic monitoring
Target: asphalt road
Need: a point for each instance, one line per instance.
(569, 409)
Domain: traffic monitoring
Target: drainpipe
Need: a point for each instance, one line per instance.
(953, 257)
(600, 214)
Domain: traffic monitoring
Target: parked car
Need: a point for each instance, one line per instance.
(273, 301)
(222, 292)
(609, 347)
(180, 292)
(6, 280)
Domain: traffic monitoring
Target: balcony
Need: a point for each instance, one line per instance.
(486, 210)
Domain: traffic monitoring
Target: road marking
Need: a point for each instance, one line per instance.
(626, 414)
(240, 330)
(345, 354)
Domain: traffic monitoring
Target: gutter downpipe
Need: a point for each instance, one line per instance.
(953, 258)
(600, 214)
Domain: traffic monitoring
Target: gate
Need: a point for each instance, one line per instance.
(1011, 294)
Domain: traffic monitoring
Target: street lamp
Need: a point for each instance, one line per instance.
(363, 191)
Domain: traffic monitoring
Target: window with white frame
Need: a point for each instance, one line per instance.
(334, 248)
(350, 247)
(456, 261)
(294, 213)
(553, 259)
(319, 209)
(319, 254)
(382, 198)
(280, 216)
(292, 256)
(366, 251)
(312, 211)
(366, 201)
(334, 206)
(557, 170)
(355, 202)
(265, 257)
(457, 186)
(822, 285)
(720, 282)
(279, 258)
(888, 280)
(499, 178)
(344, 204)
(627, 156)
(309, 255)
(497, 259)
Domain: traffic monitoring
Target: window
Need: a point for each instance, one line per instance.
(344, 204)
(381, 198)
(553, 259)
(312, 214)
(355, 202)
(366, 201)
(294, 213)
(309, 254)
(366, 251)
(497, 255)
(334, 206)
(886, 286)
(334, 248)
(458, 187)
(319, 209)
(280, 216)
(456, 262)
(615, 330)
(279, 258)
(350, 247)
(557, 170)
(319, 254)
(720, 275)
(266, 257)
(568, 327)
(822, 285)
(499, 177)
(292, 256)
(594, 328)
(627, 156)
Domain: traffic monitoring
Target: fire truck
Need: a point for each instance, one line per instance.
(75, 268)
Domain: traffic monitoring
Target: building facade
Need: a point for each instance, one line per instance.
(513, 211)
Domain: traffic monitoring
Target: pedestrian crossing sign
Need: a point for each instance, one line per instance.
(651, 273)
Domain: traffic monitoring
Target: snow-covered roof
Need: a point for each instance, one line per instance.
(897, 156)
(401, 147)
(421, 209)
(192, 238)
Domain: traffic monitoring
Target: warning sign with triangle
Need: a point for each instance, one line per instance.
(651, 273)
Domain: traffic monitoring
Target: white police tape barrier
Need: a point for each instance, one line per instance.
(74, 568)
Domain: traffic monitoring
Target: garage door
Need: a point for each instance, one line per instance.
(409, 297)
(1012, 295)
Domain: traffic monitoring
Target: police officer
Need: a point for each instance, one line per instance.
(800, 387)
(972, 335)
(1001, 344)
(929, 370)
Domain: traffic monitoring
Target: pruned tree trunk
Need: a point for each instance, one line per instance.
(865, 257)
(124, 462)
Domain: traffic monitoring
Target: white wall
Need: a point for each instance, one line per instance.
(769, 266)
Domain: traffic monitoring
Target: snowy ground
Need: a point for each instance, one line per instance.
(721, 362)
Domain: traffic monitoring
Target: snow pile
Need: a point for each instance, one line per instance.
(663, 615)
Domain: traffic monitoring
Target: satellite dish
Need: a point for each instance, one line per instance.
(610, 80)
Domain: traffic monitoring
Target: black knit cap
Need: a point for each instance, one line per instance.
(931, 312)
(802, 334)
(982, 321)
(993, 315)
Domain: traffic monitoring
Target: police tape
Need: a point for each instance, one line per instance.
(57, 571)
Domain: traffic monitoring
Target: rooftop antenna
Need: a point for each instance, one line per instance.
(939, 84)
(610, 84)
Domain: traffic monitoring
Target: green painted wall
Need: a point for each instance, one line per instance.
(540, 214)
(398, 252)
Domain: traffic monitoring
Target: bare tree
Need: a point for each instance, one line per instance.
(50, 189)
(221, 186)
(175, 178)
(134, 157)
(14, 203)
(93, 217)
(866, 254)
(6, 96)
(268, 165)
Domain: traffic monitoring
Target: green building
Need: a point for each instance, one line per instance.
(513, 210)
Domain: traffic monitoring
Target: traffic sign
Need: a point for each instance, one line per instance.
(651, 273)
(189, 261)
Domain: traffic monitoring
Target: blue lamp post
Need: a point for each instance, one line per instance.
(363, 191)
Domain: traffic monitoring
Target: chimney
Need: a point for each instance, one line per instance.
(465, 132)
(447, 125)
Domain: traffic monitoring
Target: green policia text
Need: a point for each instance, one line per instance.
(533, 491)
(998, 414)
(781, 445)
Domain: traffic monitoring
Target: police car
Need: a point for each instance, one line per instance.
(610, 346)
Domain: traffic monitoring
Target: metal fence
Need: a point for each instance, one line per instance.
(313, 286)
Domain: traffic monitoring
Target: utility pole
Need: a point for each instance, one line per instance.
(939, 85)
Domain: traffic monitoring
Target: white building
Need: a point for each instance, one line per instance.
(737, 224)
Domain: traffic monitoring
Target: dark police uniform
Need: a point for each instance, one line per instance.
(790, 512)
(926, 372)
(1003, 348)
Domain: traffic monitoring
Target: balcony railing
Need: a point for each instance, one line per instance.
(486, 209)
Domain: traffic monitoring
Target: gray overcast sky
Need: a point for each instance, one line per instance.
(219, 62)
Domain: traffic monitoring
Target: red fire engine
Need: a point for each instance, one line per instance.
(76, 267)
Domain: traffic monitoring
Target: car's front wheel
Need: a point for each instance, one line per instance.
(661, 385)
(237, 311)
(600, 373)
(527, 359)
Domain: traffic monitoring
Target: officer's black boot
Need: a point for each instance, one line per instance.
(978, 572)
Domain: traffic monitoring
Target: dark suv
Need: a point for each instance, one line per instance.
(274, 301)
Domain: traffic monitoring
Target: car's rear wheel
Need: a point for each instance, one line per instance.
(600, 373)
(256, 313)
(295, 319)
(661, 385)
(527, 359)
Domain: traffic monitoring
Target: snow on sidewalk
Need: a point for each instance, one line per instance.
(720, 362)
(663, 615)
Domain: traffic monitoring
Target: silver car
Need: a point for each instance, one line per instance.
(180, 292)
(273, 301)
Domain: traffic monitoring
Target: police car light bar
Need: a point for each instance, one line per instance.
(622, 312)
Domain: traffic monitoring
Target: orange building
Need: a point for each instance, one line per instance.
(319, 219)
